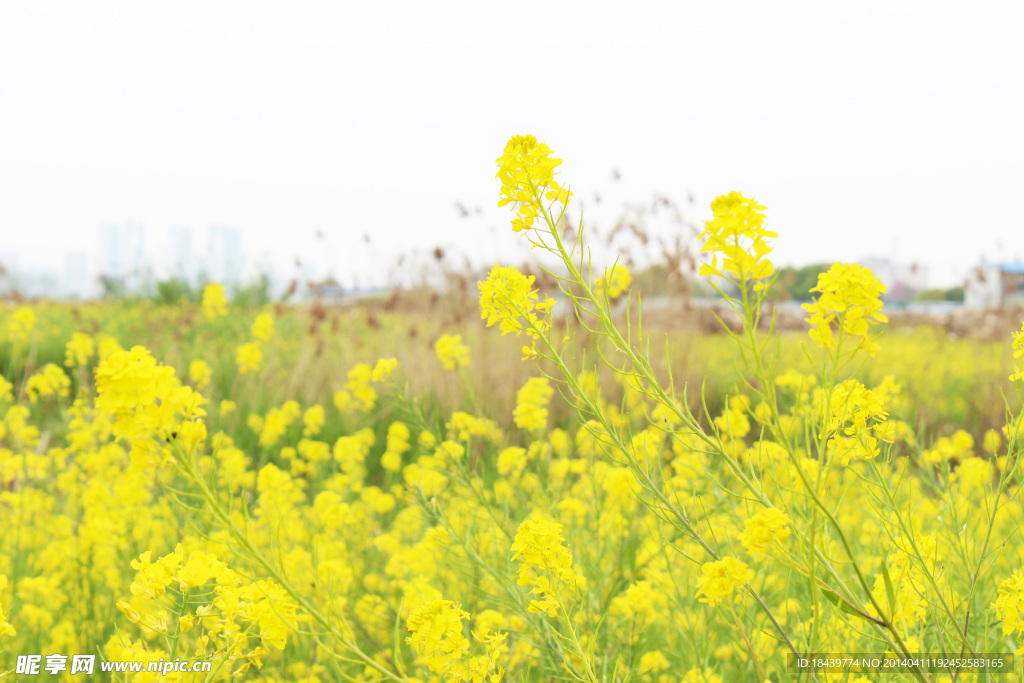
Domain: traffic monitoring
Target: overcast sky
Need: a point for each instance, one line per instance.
(867, 129)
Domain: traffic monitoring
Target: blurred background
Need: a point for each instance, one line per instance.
(340, 150)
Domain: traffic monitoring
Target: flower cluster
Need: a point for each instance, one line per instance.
(397, 444)
(507, 297)
(451, 351)
(200, 374)
(227, 615)
(263, 327)
(737, 234)
(435, 632)
(20, 324)
(1009, 604)
(359, 393)
(763, 529)
(526, 170)
(143, 396)
(79, 350)
(215, 302)
(532, 403)
(1018, 352)
(49, 381)
(614, 283)
(849, 297)
(544, 563)
(249, 357)
(855, 410)
(719, 579)
(6, 629)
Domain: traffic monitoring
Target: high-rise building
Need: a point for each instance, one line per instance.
(185, 262)
(224, 256)
(73, 283)
(124, 256)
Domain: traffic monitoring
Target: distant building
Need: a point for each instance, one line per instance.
(224, 257)
(995, 285)
(123, 249)
(185, 265)
(74, 284)
(902, 281)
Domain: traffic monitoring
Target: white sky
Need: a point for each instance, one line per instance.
(868, 128)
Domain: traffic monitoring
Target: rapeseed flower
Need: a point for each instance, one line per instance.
(614, 284)
(263, 327)
(1018, 352)
(6, 629)
(526, 170)
(737, 234)
(435, 632)
(383, 369)
(397, 444)
(849, 299)
(20, 324)
(200, 374)
(532, 403)
(50, 380)
(718, 580)
(451, 351)
(507, 298)
(215, 303)
(79, 350)
(313, 420)
(768, 526)
(249, 357)
(1009, 603)
(545, 563)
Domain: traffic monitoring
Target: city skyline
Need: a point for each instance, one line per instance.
(887, 129)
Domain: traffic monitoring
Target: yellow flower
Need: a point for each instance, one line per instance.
(198, 569)
(263, 327)
(227, 407)
(79, 350)
(383, 369)
(507, 297)
(532, 403)
(653, 662)
(849, 297)
(249, 357)
(215, 303)
(615, 284)
(719, 579)
(130, 379)
(526, 170)
(696, 675)
(397, 444)
(200, 374)
(435, 630)
(1009, 604)
(1018, 351)
(358, 392)
(313, 419)
(50, 380)
(737, 234)
(20, 324)
(544, 563)
(152, 578)
(451, 351)
(6, 629)
(764, 528)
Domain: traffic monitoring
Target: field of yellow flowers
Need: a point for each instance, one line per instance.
(557, 492)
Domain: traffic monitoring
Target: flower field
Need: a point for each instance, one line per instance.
(549, 490)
